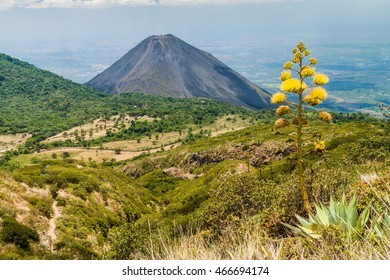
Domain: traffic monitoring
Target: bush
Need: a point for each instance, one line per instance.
(337, 141)
(75, 248)
(127, 242)
(42, 205)
(247, 195)
(18, 234)
(373, 148)
(65, 155)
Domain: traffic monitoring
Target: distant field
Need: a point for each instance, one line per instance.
(123, 150)
(96, 128)
(9, 142)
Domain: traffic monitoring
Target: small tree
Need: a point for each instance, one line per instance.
(307, 96)
(65, 155)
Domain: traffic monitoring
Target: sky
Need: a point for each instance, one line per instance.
(35, 20)
(29, 29)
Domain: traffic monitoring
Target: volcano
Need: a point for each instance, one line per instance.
(166, 65)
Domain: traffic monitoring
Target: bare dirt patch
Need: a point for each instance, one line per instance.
(97, 128)
(9, 142)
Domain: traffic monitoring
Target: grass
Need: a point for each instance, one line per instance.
(226, 211)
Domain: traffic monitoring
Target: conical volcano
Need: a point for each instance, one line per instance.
(165, 65)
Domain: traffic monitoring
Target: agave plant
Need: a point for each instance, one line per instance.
(340, 214)
(382, 227)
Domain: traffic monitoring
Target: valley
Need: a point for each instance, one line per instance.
(122, 150)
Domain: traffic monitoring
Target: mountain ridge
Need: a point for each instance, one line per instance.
(166, 65)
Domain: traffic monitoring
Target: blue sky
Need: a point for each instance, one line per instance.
(34, 20)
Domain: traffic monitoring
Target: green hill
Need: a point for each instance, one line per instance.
(39, 102)
(211, 193)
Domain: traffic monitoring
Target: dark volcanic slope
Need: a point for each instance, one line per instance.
(168, 66)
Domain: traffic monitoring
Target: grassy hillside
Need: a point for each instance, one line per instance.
(230, 196)
(70, 205)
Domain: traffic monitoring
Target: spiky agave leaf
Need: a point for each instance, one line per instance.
(352, 214)
(382, 226)
(361, 223)
(333, 213)
(322, 215)
(341, 214)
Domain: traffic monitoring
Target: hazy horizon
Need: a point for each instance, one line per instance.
(54, 34)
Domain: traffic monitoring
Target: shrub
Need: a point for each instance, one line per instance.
(372, 148)
(43, 205)
(244, 196)
(18, 234)
(35, 160)
(65, 155)
(127, 241)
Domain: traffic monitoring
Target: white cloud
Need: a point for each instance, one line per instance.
(8, 4)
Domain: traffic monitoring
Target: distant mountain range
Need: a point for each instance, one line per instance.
(165, 65)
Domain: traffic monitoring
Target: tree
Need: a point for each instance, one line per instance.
(65, 155)
(307, 96)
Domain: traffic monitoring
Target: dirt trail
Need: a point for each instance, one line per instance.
(52, 225)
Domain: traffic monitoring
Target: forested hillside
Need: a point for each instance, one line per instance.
(85, 175)
(38, 101)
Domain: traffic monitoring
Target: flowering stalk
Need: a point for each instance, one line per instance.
(307, 96)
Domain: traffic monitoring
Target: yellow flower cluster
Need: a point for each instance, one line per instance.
(316, 96)
(313, 60)
(311, 101)
(278, 98)
(292, 85)
(287, 65)
(283, 110)
(280, 123)
(285, 75)
(319, 146)
(325, 116)
(301, 46)
(320, 79)
(308, 71)
(319, 93)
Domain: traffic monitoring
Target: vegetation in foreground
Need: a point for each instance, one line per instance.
(234, 196)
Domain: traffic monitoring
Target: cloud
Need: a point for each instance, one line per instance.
(42, 4)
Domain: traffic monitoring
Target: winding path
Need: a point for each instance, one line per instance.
(52, 225)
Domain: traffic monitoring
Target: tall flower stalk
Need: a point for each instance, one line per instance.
(307, 96)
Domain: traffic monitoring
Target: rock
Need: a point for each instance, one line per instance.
(179, 173)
